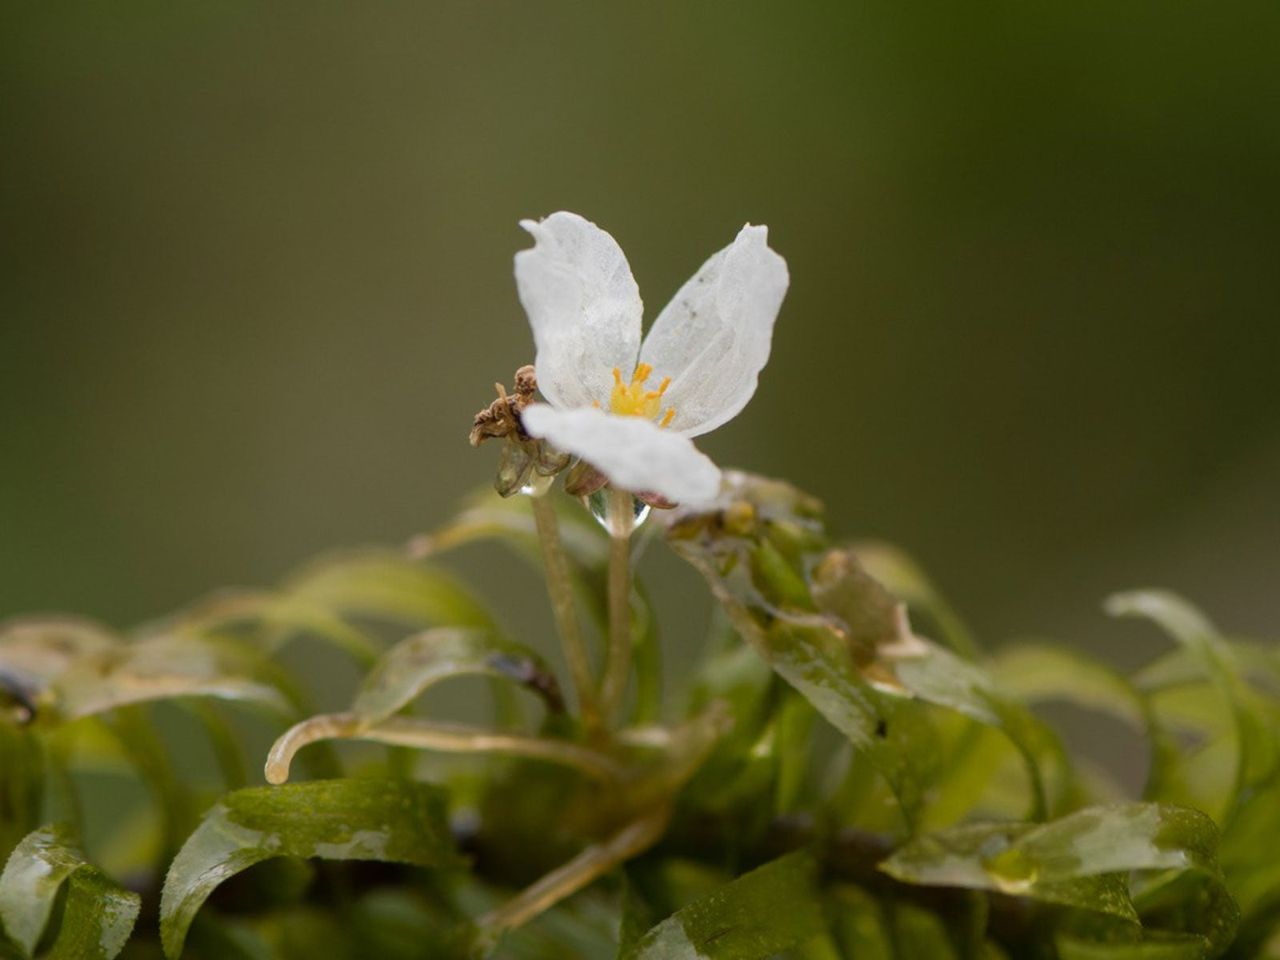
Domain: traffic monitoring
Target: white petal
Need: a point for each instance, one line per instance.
(634, 453)
(584, 307)
(713, 338)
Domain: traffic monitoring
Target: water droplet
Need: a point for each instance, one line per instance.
(537, 484)
(1013, 871)
(514, 468)
(598, 504)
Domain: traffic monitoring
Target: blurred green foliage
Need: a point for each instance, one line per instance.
(831, 784)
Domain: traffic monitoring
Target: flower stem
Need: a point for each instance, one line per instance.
(560, 589)
(618, 659)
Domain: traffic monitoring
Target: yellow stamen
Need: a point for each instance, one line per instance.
(632, 400)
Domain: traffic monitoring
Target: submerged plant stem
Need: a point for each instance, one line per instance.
(560, 589)
(618, 659)
(593, 862)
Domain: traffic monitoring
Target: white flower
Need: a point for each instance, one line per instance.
(704, 352)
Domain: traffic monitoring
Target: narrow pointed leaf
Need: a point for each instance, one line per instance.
(389, 820)
(159, 668)
(34, 651)
(489, 517)
(758, 915)
(384, 585)
(1257, 745)
(281, 618)
(424, 659)
(1037, 673)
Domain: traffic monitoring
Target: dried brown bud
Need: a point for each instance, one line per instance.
(501, 418)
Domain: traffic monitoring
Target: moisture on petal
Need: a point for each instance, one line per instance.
(584, 307)
(713, 338)
(634, 453)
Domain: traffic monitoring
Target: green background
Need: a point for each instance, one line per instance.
(257, 277)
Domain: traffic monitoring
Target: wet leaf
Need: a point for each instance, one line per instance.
(900, 663)
(1082, 860)
(417, 662)
(1257, 748)
(752, 552)
(280, 617)
(409, 668)
(160, 668)
(1038, 673)
(841, 639)
(487, 517)
(34, 651)
(97, 918)
(98, 915)
(761, 913)
(383, 585)
(388, 820)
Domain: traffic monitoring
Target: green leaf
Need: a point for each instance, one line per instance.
(34, 651)
(770, 909)
(281, 616)
(388, 820)
(1152, 947)
(97, 918)
(384, 585)
(98, 915)
(987, 856)
(859, 925)
(753, 553)
(900, 663)
(1039, 672)
(1036, 673)
(413, 665)
(1257, 748)
(423, 659)
(22, 761)
(159, 668)
(510, 520)
(1082, 860)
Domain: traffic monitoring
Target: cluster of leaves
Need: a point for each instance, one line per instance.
(828, 785)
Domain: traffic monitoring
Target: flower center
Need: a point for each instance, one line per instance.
(633, 400)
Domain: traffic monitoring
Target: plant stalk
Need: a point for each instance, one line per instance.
(560, 590)
(593, 862)
(613, 688)
(433, 735)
